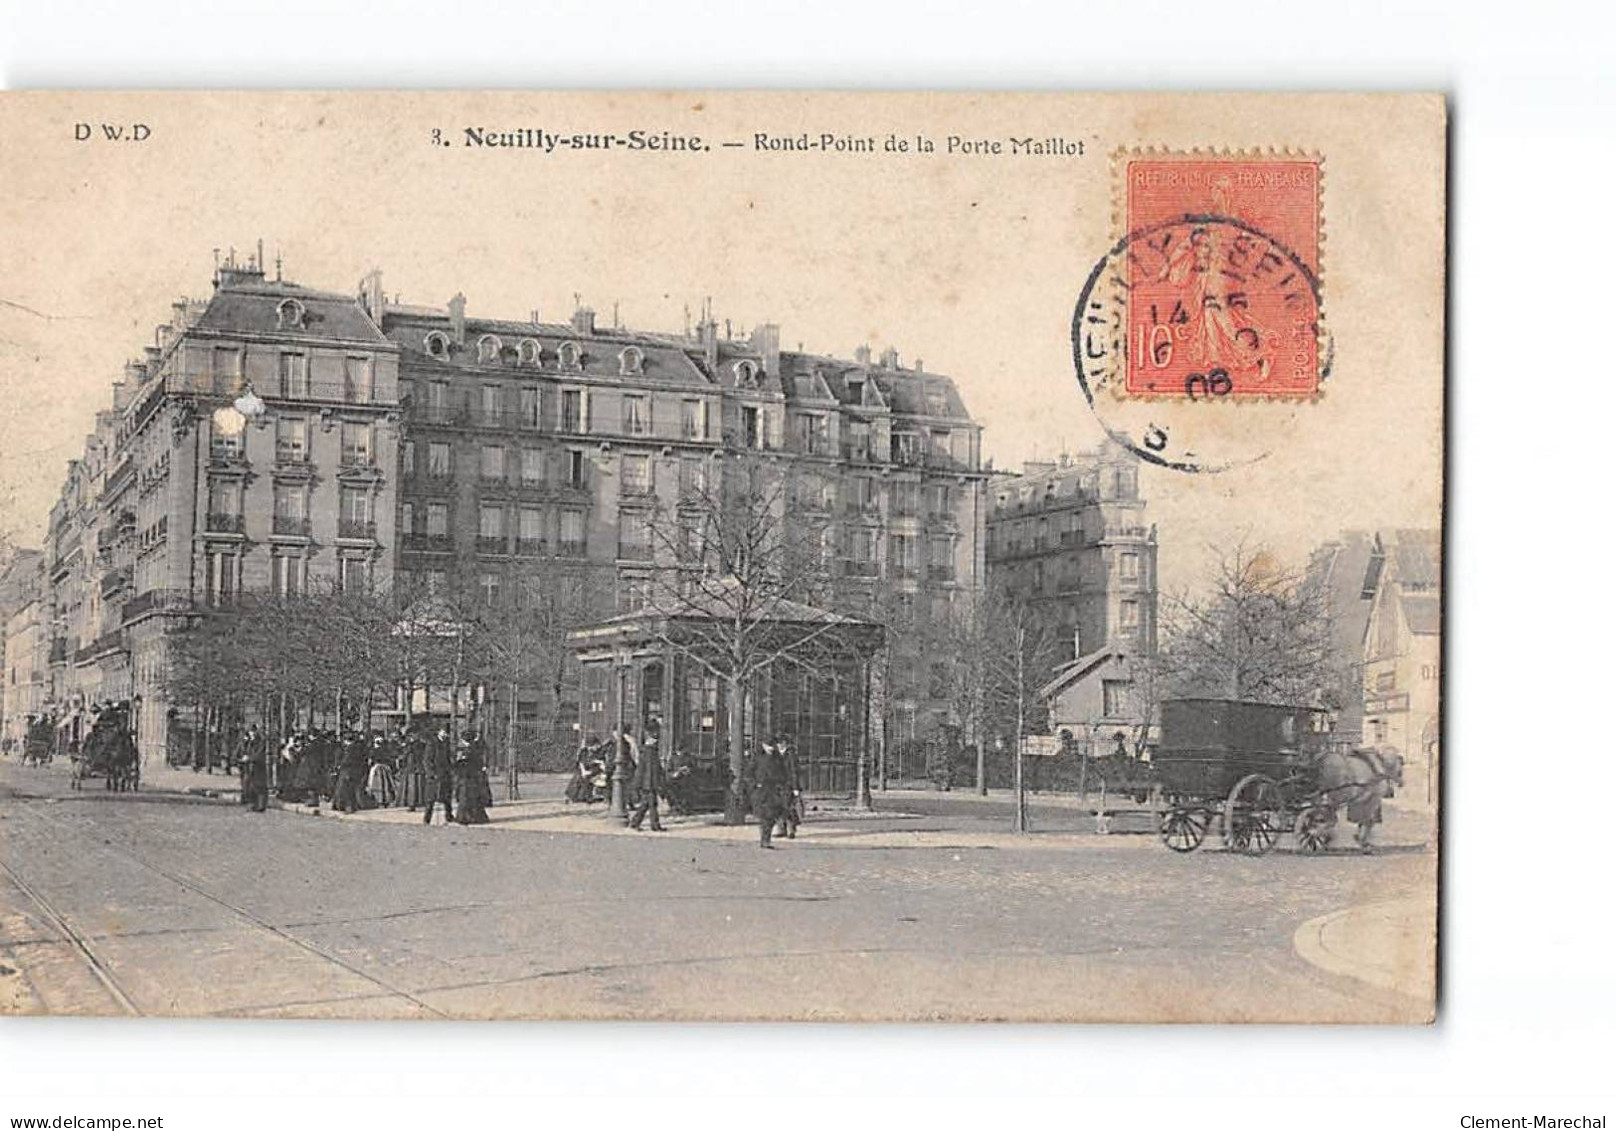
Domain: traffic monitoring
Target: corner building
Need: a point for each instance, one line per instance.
(535, 454)
(176, 505)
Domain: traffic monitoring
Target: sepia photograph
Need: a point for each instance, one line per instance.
(722, 556)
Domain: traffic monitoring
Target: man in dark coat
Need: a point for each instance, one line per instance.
(439, 777)
(355, 760)
(788, 794)
(253, 758)
(412, 782)
(650, 781)
(471, 792)
(768, 790)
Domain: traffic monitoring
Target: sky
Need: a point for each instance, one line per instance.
(971, 263)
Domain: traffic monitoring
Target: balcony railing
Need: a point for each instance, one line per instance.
(428, 542)
(940, 572)
(492, 544)
(114, 581)
(356, 528)
(860, 569)
(493, 482)
(530, 547)
(292, 525)
(225, 524)
(287, 455)
(100, 646)
(155, 600)
(354, 458)
(571, 548)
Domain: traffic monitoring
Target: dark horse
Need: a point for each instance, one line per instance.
(1358, 779)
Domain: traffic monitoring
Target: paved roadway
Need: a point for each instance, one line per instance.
(164, 903)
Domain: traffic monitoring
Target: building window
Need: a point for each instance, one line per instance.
(752, 434)
(1386, 681)
(902, 554)
(358, 444)
(630, 361)
(530, 405)
(437, 399)
(358, 380)
(407, 457)
(437, 460)
(636, 475)
(291, 439)
(294, 375)
(406, 519)
(224, 507)
(289, 314)
(1118, 697)
(226, 445)
(693, 420)
(493, 404)
(492, 464)
(572, 410)
(941, 564)
(634, 536)
(746, 372)
(575, 468)
(529, 352)
(223, 577)
(291, 506)
(1130, 616)
(936, 399)
(437, 580)
(631, 592)
(491, 528)
(572, 533)
(570, 355)
(437, 344)
(437, 520)
(288, 576)
(859, 441)
(532, 467)
(488, 588)
(692, 475)
(488, 348)
(227, 370)
(1130, 567)
(813, 433)
(940, 500)
(530, 530)
(354, 576)
(905, 448)
(636, 414)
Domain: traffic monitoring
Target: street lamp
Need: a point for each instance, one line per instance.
(619, 801)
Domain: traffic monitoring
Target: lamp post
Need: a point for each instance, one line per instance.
(619, 803)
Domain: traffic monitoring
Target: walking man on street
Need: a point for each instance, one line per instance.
(649, 782)
(440, 777)
(768, 788)
(254, 760)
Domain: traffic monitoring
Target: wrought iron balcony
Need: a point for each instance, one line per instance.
(291, 525)
(356, 528)
(225, 524)
(492, 544)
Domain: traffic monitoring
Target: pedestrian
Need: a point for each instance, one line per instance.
(471, 792)
(790, 816)
(768, 788)
(414, 776)
(439, 777)
(650, 781)
(350, 773)
(379, 780)
(253, 758)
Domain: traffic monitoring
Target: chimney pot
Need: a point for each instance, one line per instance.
(457, 319)
(583, 321)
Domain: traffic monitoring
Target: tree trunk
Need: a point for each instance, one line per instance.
(1021, 727)
(735, 801)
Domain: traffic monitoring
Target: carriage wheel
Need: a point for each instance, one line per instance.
(1252, 815)
(1315, 827)
(1182, 830)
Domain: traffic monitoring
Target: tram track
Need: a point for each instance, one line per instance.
(81, 945)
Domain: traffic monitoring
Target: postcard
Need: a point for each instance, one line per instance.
(722, 555)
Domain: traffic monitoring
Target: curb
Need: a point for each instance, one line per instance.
(1308, 942)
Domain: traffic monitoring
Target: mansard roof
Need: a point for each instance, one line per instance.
(262, 308)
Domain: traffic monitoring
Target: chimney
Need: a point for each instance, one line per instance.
(920, 366)
(707, 335)
(583, 322)
(134, 372)
(862, 355)
(533, 316)
(457, 319)
(154, 358)
(766, 341)
(120, 394)
(370, 293)
(889, 358)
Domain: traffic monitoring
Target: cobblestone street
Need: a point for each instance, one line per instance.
(165, 902)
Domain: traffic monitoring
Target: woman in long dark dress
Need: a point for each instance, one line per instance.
(470, 782)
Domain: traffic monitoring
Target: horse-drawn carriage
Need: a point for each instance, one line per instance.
(1262, 770)
(108, 752)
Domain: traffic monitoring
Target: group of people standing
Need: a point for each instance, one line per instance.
(416, 768)
(769, 781)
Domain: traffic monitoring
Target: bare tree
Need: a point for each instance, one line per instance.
(1260, 631)
(734, 573)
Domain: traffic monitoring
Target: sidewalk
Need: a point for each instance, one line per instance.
(182, 779)
(1391, 946)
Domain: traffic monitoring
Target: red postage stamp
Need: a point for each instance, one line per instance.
(1222, 274)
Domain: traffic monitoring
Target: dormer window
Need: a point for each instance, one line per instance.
(289, 314)
(528, 352)
(437, 344)
(570, 355)
(630, 362)
(488, 349)
(746, 372)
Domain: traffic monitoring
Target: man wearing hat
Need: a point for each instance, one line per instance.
(254, 759)
(440, 777)
(768, 791)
